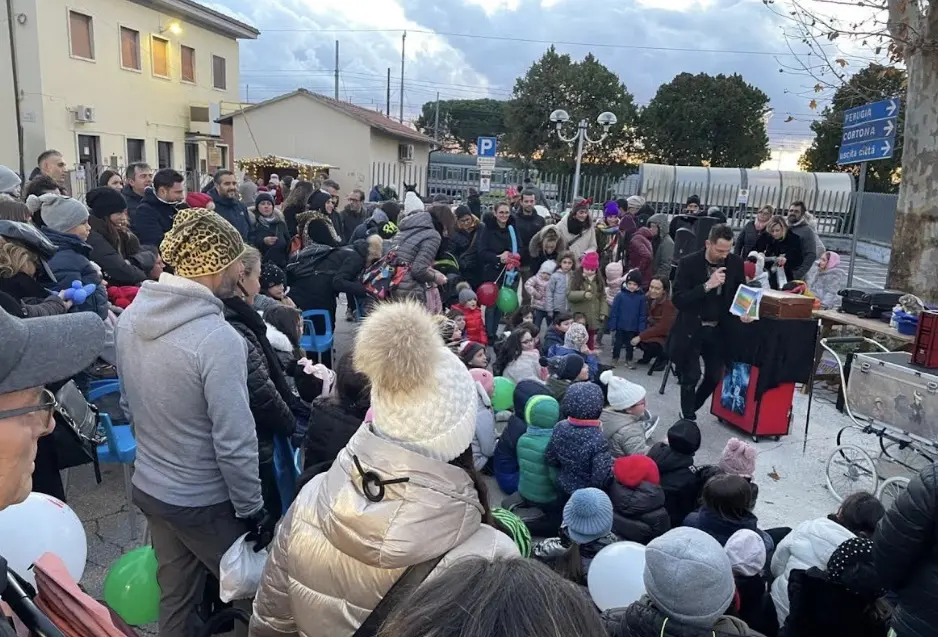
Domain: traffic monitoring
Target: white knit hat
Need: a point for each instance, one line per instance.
(622, 394)
(424, 398)
(746, 551)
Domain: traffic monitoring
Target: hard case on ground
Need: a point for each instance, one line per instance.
(889, 388)
(785, 305)
(925, 351)
(734, 402)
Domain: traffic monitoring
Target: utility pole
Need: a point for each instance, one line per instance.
(403, 43)
(14, 69)
(436, 119)
(388, 105)
(336, 70)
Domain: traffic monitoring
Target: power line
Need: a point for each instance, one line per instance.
(500, 38)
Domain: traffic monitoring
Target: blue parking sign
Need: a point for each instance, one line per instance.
(485, 147)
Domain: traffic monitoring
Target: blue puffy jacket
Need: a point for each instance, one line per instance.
(628, 311)
(71, 262)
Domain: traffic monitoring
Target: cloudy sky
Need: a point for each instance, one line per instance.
(476, 48)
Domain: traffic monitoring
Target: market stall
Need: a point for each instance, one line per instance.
(264, 167)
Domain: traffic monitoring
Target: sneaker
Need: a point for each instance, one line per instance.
(630, 365)
(649, 422)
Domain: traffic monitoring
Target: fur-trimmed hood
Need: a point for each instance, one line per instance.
(252, 218)
(537, 241)
(278, 340)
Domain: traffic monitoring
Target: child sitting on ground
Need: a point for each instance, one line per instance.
(575, 342)
(505, 460)
(557, 331)
(564, 371)
(473, 355)
(577, 446)
(472, 313)
(726, 508)
(536, 287)
(746, 551)
(586, 530)
(675, 460)
(739, 459)
(627, 424)
(518, 358)
(638, 500)
(483, 443)
(627, 318)
(536, 484)
(273, 288)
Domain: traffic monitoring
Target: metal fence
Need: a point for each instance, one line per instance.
(396, 174)
(85, 177)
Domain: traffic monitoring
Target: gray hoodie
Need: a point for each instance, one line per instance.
(183, 372)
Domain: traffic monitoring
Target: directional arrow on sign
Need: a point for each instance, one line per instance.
(886, 147)
(889, 128)
(891, 109)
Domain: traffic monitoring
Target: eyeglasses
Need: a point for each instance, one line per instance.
(47, 403)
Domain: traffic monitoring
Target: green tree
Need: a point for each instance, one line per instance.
(702, 119)
(873, 83)
(584, 89)
(462, 122)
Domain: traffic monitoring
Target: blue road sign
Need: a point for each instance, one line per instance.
(881, 129)
(866, 151)
(872, 112)
(485, 147)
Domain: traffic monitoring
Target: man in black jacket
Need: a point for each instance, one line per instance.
(905, 552)
(137, 178)
(527, 224)
(156, 211)
(703, 291)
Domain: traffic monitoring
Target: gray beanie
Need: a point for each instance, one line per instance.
(9, 181)
(689, 577)
(59, 213)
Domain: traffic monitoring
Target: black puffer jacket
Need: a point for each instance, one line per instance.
(905, 551)
(333, 422)
(639, 514)
(643, 619)
(464, 248)
(348, 278)
(819, 607)
(678, 480)
(113, 259)
(527, 226)
(275, 227)
(269, 404)
(310, 275)
(491, 242)
(32, 299)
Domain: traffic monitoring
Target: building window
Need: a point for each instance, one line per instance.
(130, 49)
(164, 151)
(187, 59)
(159, 50)
(219, 73)
(136, 150)
(81, 35)
(223, 155)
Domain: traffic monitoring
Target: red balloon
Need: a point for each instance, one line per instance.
(487, 294)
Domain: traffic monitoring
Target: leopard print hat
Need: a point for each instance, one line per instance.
(200, 243)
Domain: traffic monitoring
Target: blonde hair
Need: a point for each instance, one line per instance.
(778, 221)
(767, 208)
(14, 258)
(251, 260)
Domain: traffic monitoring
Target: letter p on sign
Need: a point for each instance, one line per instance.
(485, 147)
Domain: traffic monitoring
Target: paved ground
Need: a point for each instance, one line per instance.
(792, 483)
(866, 273)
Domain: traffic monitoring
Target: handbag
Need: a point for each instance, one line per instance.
(404, 586)
(76, 432)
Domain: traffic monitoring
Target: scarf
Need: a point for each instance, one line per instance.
(258, 327)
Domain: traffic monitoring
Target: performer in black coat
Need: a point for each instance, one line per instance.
(703, 291)
(905, 552)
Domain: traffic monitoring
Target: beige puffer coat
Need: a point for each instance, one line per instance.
(337, 553)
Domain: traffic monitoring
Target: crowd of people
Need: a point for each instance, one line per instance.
(194, 303)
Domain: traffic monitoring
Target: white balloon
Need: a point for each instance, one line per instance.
(615, 576)
(42, 524)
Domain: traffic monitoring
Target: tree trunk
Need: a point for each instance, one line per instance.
(913, 265)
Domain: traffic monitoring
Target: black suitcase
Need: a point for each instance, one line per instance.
(868, 302)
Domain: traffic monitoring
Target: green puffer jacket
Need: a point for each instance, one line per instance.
(595, 308)
(537, 480)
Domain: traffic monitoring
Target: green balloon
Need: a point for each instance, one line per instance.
(507, 300)
(503, 398)
(130, 587)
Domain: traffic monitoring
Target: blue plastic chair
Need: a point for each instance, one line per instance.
(285, 470)
(310, 341)
(120, 448)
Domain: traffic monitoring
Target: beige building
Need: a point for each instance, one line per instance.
(367, 147)
(110, 82)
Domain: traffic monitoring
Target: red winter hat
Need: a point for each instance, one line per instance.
(631, 471)
(590, 261)
(749, 268)
(198, 199)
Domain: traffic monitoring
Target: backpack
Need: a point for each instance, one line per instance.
(385, 276)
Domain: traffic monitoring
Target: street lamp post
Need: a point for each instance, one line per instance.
(560, 117)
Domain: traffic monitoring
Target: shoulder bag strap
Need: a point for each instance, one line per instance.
(406, 584)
